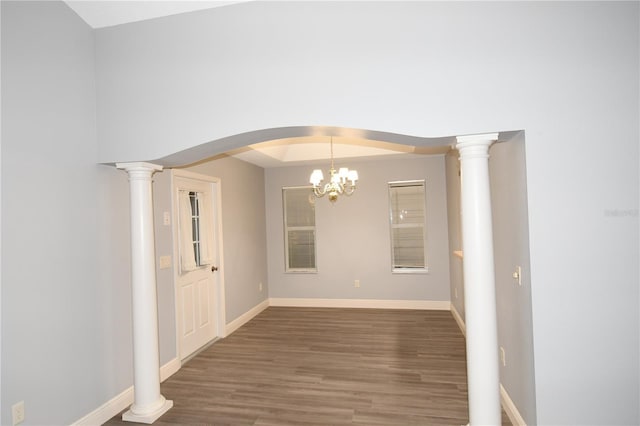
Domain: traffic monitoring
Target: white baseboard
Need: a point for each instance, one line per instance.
(459, 320)
(246, 317)
(121, 401)
(169, 369)
(107, 410)
(362, 303)
(510, 408)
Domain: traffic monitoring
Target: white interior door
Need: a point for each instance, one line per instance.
(199, 296)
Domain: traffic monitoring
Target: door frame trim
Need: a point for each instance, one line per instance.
(216, 192)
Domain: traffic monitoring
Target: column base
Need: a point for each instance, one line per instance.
(147, 418)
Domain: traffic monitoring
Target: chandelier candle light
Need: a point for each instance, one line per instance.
(342, 182)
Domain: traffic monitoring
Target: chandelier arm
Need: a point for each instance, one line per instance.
(350, 189)
(319, 192)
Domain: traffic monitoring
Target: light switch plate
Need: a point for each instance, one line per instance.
(517, 275)
(17, 413)
(165, 262)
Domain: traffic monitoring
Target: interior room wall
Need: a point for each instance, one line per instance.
(66, 333)
(114, 367)
(165, 286)
(507, 170)
(243, 232)
(452, 172)
(353, 238)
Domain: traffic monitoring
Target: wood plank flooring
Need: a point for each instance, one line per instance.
(315, 366)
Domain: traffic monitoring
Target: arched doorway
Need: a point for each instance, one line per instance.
(293, 142)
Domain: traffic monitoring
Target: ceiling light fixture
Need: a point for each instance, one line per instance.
(342, 182)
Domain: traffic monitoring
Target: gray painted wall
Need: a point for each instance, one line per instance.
(165, 277)
(454, 220)
(507, 169)
(66, 334)
(243, 232)
(353, 240)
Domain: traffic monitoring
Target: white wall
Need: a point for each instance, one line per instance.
(566, 72)
(352, 236)
(243, 232)
(66, 322)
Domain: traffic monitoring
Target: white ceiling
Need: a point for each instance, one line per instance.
(103, 13)
(277, 153)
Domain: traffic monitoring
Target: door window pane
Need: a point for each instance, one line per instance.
(195, 225)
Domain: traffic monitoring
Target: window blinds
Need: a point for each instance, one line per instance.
(300, 222)
(407, 215)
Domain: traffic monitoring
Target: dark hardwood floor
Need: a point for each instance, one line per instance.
(313, 366)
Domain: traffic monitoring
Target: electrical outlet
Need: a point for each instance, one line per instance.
(455, 292)
(167, 219)
(260, 287)
(503, 357)
(356, 283)
(17, 412)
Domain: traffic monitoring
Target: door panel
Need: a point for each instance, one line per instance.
(205, 297)
(188, 314)
(196, 287)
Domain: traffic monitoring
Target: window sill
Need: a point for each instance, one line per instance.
(410, 271)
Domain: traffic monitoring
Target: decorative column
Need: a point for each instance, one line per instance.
(148, 404)
(483, 376)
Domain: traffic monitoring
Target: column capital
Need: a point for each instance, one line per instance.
(139, 166)
(475, 146)
(477, 139)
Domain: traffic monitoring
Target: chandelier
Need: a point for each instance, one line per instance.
(342, 182)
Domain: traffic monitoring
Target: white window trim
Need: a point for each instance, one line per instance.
(392, 226)
(287, 269)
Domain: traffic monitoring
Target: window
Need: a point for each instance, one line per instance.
(195, 232)
(299, 229)
(407, 221)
